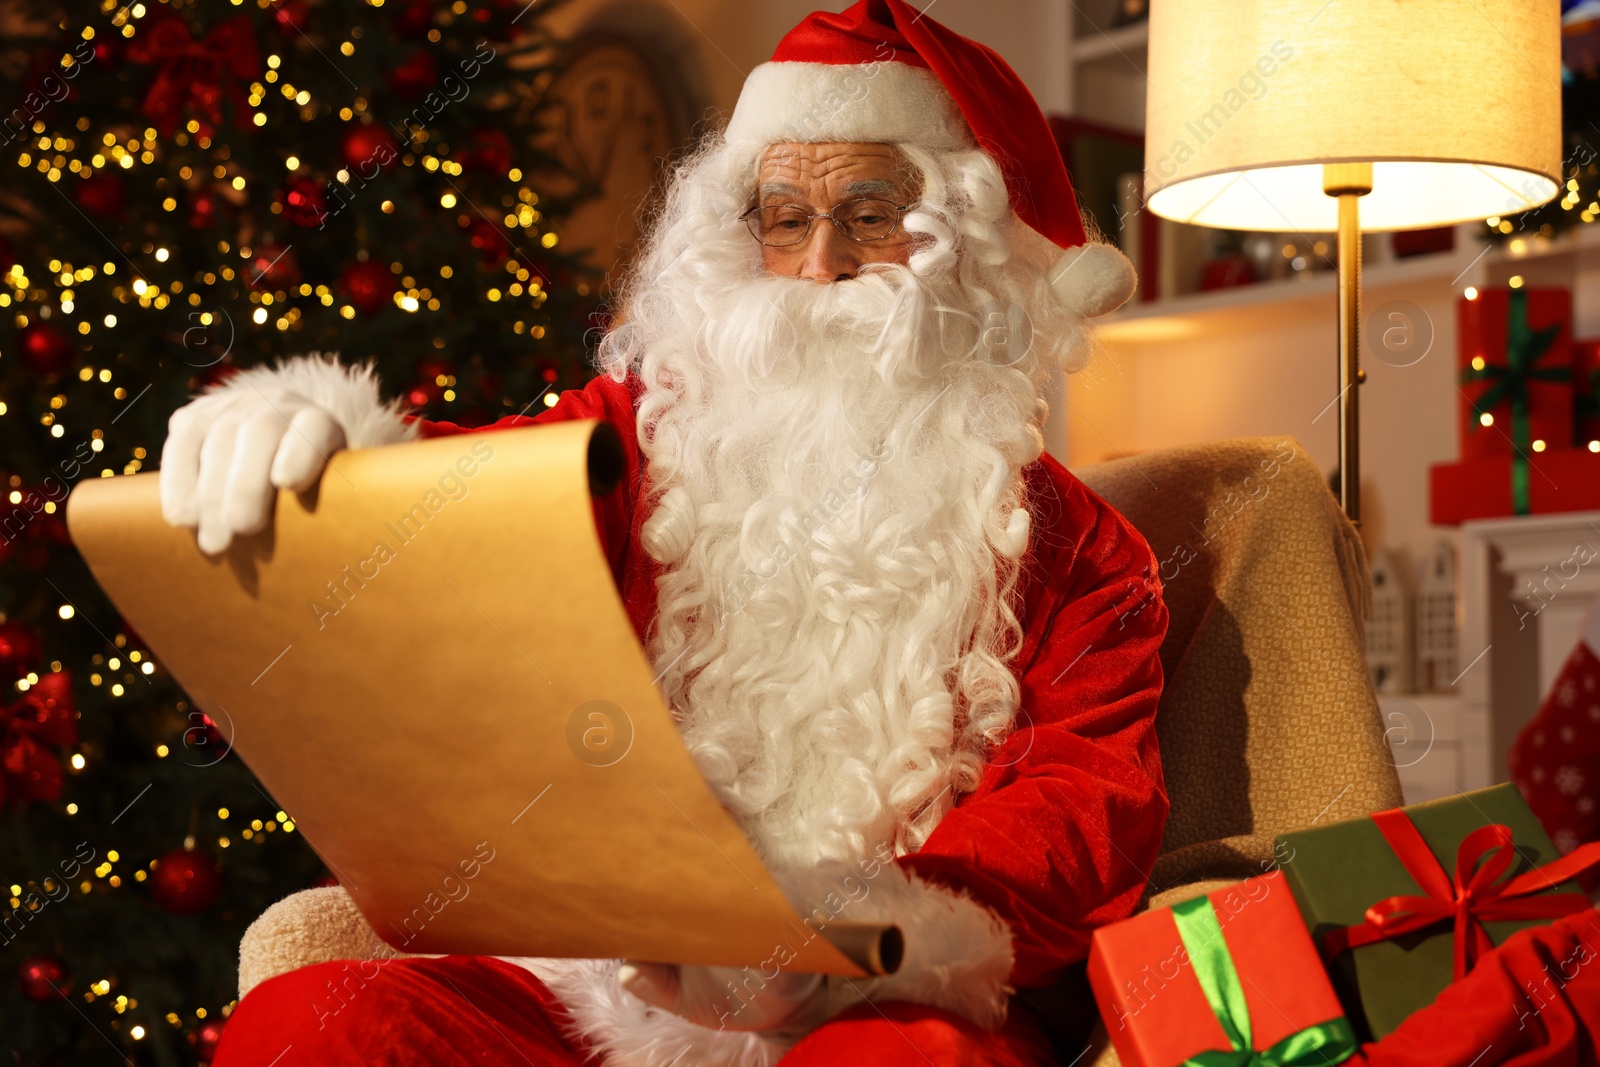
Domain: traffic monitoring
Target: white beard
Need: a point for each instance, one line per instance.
(839, 492)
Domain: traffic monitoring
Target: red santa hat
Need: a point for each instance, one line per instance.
(881, 71)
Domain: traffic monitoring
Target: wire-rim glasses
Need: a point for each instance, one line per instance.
(863, 219)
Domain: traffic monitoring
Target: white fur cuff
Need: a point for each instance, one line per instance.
(958, 953)
(348, 393)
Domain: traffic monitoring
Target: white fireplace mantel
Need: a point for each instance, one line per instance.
(1527, 584)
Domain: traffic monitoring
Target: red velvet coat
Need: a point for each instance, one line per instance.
(1060, 835)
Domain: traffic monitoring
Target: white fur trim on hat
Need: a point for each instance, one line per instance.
(880, 102)
(1093, 278)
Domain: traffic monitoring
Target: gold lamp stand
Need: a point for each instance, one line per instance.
(1349, 182)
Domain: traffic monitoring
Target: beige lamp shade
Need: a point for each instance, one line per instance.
(1457, 105)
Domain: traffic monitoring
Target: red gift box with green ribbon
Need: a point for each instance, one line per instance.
(1516, 379)
(1556, 480)
(1230, 979)
(1404, 901)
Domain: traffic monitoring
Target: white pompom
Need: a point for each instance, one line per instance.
(667, 531)
(1015, 540)
(1093, 278)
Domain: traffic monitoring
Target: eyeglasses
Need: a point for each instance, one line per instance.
(786, 225)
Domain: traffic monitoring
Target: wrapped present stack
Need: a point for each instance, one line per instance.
(1529, 413)
(1365, 923)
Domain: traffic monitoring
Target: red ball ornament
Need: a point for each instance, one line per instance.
(186, 881)
(430, 368)
(291, 17)
(206, 1037)
(413, 78)
(272, 267)
(41, 978)
(368, 148)
(204, 210)
(368, 286)
(102, 195)
(499, 20)
(488, 152)
(304, 203)
(19, 651)
(428, 389)
(414, 19)
(45, 348)
(425, 394)
(491, 243)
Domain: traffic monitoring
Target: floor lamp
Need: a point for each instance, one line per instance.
(1346, 116)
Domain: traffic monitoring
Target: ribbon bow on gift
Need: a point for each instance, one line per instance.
(44, 717)
(1474, 896)
(199, 71)
(1509, 384)
(1316, 1046)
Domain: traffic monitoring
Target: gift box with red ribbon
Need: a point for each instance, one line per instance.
(1231, 978)
(1515, 355)
(1404, 901)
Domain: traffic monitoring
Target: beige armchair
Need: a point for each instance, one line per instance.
(1267, 723)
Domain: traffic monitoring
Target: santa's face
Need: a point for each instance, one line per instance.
(816, 178)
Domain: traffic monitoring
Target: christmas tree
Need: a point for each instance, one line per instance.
(191, 187)
(1579, 201)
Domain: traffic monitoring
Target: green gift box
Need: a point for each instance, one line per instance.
(1402, 902)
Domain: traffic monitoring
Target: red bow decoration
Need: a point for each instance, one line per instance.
(43, 718)
(1475, 895)
(198, 71)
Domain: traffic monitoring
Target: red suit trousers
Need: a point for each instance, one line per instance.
(483, 1011)
(1532, 1002)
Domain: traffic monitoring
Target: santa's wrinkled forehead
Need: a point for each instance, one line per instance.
(825, 173)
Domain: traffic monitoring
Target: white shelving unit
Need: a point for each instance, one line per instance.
(1107, 82)
(1125, 43)
(1538, 261)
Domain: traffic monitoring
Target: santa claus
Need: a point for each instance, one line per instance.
(903, 644)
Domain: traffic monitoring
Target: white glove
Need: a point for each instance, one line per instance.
(228, 453)
(732, 998)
